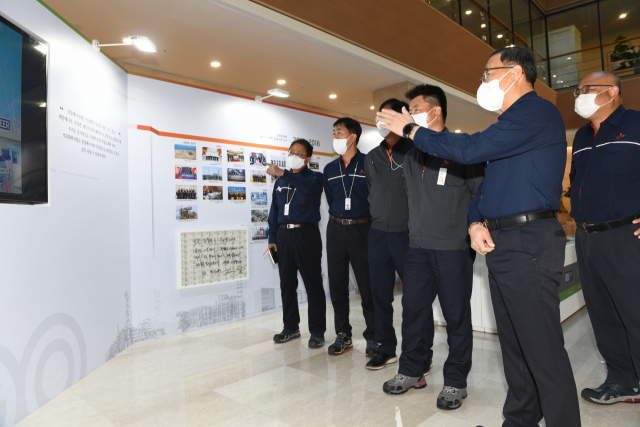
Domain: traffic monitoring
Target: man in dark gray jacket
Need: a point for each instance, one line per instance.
(439, 193)
(389, 237)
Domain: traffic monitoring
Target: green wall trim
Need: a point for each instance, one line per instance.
(78, 31)
(571, 291)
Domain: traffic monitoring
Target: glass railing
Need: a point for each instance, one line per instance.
(596, 36)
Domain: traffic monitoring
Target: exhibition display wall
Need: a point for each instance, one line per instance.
(65, 265)
(196, 162)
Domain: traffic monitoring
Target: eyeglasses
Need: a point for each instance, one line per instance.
(585, 89)
(485, 75)
(301, 155)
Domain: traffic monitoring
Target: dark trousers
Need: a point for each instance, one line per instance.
(524, 276)
(387, 254)
(450, 275)
(609, 265)
(348, 244)
(300, 249)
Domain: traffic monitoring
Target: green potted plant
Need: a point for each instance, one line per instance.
(627, 54)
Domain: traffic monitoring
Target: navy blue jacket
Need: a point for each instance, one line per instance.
(335, 174)
(605, 169)
(525, 151)
(305, 202)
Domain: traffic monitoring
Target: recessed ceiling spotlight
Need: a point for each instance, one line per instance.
(215, 64)
(458, 131)
(332, 96)
(468, 12)
(568, 58)
(499, 36)
(372, 107)
(281, 82)
(624, 15)
(554, 75)
(483, 25)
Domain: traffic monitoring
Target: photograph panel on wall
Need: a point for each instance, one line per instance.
(186, 192)
(257, 158)
(235, 156)
(260, 234)
(185, 152)
(314, 163)
(186, 172)
(279, 159)
(211, 173)
(212, 192)
(212, 154)
(236, 175)
(237, 193)
(258, 176)
(259, 199)
(186, 212)
(259, 215)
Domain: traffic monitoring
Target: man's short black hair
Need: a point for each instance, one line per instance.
(306, 144)
(351, 125)
(395, 104)
(522, 56)
(433, 95)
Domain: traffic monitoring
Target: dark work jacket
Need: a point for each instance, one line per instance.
(387, 197)
(526, 151)
(605, 169)
(438, 214)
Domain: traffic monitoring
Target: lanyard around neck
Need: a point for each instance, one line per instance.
(342, 178)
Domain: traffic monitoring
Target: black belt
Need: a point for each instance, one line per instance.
(345, 221)
(495, 224)
(301, 225)
(609, 225)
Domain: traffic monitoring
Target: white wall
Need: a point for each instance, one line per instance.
(157, 301)
(64, 268)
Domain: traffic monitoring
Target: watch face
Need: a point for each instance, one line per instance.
(408, 128)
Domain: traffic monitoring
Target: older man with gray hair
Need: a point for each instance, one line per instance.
(605, 202)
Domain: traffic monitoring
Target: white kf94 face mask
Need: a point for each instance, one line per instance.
(490, 96)
(421, 119)
(340, 145)
(586, 104)
(294, 162)
(383, 132)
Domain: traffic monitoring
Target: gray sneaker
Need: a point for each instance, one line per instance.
(401, 384)
(451, 397)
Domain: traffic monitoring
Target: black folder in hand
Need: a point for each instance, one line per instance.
(274, 255)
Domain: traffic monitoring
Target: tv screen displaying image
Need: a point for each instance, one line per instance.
(23, 116)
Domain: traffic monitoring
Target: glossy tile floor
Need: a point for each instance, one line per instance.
(234, 375)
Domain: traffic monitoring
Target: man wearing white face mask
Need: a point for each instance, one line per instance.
(605, 202)
(513, 222)
(294, 234)
(345, 186)
(439, 260)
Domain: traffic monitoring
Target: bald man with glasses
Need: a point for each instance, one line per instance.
(605, 203)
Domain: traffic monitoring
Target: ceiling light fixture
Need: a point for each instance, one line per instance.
(499, 36)
(333, 96)
(483, 25)
(215, 64)
(141, 43)
(281, 82)
(568, 58)
(624, 15)
(372, 107)
(458, 131)
(468, 12)
(273, 92)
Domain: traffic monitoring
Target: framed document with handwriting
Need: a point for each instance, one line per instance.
(209, 257)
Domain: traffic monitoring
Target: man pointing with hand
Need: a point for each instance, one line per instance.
(513, 222)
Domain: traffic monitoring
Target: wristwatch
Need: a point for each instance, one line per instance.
(407, 129)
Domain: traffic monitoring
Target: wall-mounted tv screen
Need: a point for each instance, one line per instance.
(23, 116)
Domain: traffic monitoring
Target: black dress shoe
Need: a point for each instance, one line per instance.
(316, 341)
(381, 360)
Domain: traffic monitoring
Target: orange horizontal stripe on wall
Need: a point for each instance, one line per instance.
(220, 141)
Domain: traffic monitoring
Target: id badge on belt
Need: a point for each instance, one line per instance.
(442, 176)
